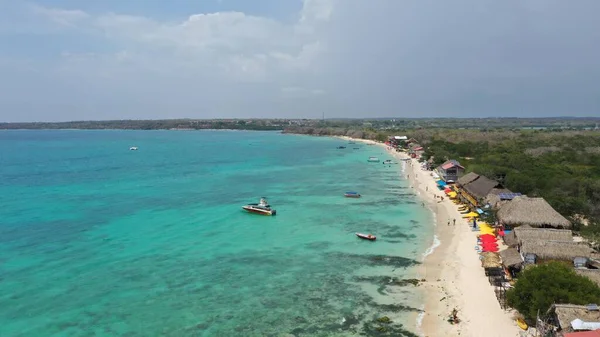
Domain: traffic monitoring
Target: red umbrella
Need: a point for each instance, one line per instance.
(489, 249)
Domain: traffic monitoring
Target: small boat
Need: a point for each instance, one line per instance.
(133, 148)
(389, 161)
(521, 323)
(262, 208)
(366, 236)
(373, 160)
(351, 142)
(356, 148)
(341, 147)
(352, 195)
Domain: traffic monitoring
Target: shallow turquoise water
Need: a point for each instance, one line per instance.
(97, 240)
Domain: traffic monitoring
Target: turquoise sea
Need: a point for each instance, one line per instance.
(98, 240)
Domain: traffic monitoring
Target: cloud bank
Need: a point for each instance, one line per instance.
(353, 58)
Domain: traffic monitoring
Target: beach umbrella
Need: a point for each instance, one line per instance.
(471, 214)
(490, 249)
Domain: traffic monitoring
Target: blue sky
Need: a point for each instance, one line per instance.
(84, 60)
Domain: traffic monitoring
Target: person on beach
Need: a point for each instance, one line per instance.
(448, 222)
(454, 220)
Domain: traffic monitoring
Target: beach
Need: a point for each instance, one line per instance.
(453, 273)
(452, 270)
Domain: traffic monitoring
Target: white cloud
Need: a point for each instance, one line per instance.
(60, 16)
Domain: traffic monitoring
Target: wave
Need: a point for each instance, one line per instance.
(436, 243)
(420, 320)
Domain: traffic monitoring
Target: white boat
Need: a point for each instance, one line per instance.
(262, 208)
(373, 160)
(133, 148)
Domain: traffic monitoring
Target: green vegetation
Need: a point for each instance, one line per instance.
(541, 286)
(562, 167)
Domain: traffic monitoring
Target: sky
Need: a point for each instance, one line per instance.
(64, 60)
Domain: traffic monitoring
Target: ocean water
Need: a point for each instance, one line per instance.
(97, 240)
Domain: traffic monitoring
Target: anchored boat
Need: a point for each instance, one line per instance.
(373, 160)
(262, 208)
(366, 236)
(352, 195)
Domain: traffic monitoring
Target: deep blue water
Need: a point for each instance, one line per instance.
(97, 240)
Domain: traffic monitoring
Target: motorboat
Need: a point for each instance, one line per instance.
(133, 148)
(352, 195)
(369, 237)
(341, 147)
(262, 208)
(373, 160)
(389, 161)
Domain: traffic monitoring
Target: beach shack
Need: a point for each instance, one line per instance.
(535, 212)
(397, 141)
(450, 171)
(555, 251)
(476, 188)
(569, 319)
(511, 260)
(526, 233)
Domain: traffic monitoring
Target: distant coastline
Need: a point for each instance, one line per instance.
(367, 128)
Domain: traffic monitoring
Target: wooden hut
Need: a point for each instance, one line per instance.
(527, 233)
(555, 250)
(535, 212)
(467, 178)
(565, 316)
(511, 258)
(450, 171)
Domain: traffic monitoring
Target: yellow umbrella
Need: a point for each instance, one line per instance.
(452, 194)
(471, 215)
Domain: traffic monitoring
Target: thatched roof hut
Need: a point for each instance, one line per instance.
(592, 274)
(510, 239)
(542, 234)
(556, 250)
(535, 212)
(467, 178)
(566, 313)
(490, 260)
(481, 187)
(511, 257)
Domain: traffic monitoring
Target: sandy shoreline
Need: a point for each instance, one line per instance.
(453, 273)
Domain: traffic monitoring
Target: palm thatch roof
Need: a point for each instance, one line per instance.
(511, 257)
(510, 239)
(490, 260)
(535, 212)
(467, 178)
(542, 234)
(566, 313)
(556, 250)
(481, 187)
(592, 274)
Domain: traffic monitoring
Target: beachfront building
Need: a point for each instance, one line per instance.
(570, 320)
(499, 197)
(517, 236)
(512, 260)
(535, 212)
(474, 189)
(397, 141)
(450, 171)
(536, 251)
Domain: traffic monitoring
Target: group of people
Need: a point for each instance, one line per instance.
(453, 222)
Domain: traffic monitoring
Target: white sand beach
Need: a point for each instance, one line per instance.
(453, 274)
